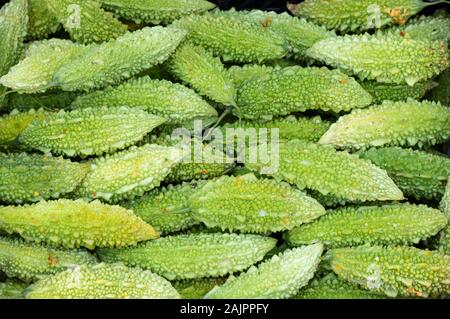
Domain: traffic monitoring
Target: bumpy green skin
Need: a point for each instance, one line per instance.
(444, 238)
(42, 59)
(90, 131)
(441, 93)
(396, 92)
(435, 28)
(204, 72)
(116, 60)
(398, 224)
(76, 223)
(85, 21)
(409, 123)
(394, 271)
(167, 209)
(279, 277)
(12, 289)
(33, 177)
(357, 15)
(102, 281)
(41, 22)
(328, 171)
(30, 262)
(172, 101)
(240, 74)
(232, 38)
(289, 128)
(156, 11)
(383, 57)
(14, 123)
(196, 288)
(129, 173)
(418, 174)
(253, 205)
(331, 287)
(193, 256)
(297, 89)
(52, 100)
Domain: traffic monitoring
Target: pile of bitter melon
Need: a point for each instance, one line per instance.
(98, 200)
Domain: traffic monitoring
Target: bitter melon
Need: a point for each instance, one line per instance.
(435, 28)
(33, 177)
(394, 271)
(232, 38)
(418, 174)
(85, 21)
(14, 123)
(156, 11)
(331, 287)
(409, 123)
(253, 205)
(297, 89)
(41, 22)
(75, 223)
(204, 72)
(51, 100)
(396, 92)
(129, 173)
(240, 74)
(328, 171)
(12, 289)
(29, 262)
(172, 101)
(89, 131)
(279, 277)
(196, 288)
(42, 59)
(116, 60)
(358, 15)
(398, 224)
(444, 238)
(167, 209)
(102, 281)
(193, 256)
(383, 57)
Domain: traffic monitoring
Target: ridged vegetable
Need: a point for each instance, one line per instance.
(331, 287)
(240, 74)
(75, 223)
(51, 100)
(196, 288)
(156, 11)
(129, 173)
(398, 224)
(204, 72)
(172, 101)
(253, 205)
(297, 89)
(396, 92)
(382, 57)
(41, 22)
(14, 123)
(85, 21)
(409, 123)
(102, 281)
(12, 289)
(232, 38)
(33, 177)
(394, 271)
(328, 171)
(279, 277)
(116, 60)
(90, 131)
(167, 209)
(289, 128)
(193, 256)
(357, 15)
(418, 174)
(29, 262)
(435, 28)
(444, 238)
(42, 59)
